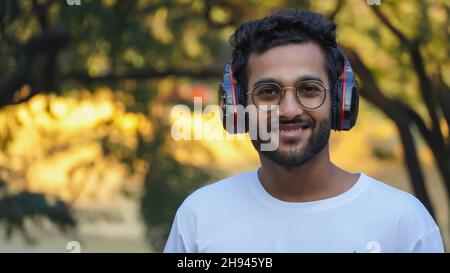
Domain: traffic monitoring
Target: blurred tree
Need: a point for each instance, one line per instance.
(433, 125)
(51, 47)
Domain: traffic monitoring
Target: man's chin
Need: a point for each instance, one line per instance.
(288, 150)
(287, 156)
(297, 151)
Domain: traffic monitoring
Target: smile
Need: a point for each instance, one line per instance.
(293, 130)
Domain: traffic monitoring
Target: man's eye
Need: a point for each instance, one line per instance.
(310, 89)
(267, 92)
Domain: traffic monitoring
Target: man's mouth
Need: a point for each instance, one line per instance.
(293, 130)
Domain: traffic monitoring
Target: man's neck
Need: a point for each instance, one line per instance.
(316, 179)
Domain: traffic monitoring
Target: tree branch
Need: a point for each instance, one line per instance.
(41, 12)
(389, 25)
(426, 89)
(400, 114)
(443, 92)
(213, 72)
(47, 42)
(336, 10)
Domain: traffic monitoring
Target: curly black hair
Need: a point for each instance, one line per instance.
(282, 27)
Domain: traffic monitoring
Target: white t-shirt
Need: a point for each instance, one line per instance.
(237, 214)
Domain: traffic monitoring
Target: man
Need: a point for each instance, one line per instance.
(298, 200)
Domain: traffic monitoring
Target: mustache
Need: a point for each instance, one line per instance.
(297, 121)
(294, 121)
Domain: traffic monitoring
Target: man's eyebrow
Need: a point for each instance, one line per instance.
(299, 79)
(266, 80)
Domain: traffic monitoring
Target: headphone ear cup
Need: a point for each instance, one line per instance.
(336, 102)
(232, 101)
(354, 105)
(241, 99)
(240, 94)
(347, 97)
(228, 119)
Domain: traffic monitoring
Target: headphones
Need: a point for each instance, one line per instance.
(344, 102)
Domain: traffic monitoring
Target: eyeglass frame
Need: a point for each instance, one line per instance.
(294, 88)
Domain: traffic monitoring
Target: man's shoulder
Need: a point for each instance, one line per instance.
(414, 224)
(396, 201)
(224, 190)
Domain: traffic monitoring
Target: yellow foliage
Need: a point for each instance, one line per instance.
(55, 146)
(158, 26)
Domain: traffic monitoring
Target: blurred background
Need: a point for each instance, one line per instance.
(87, 88)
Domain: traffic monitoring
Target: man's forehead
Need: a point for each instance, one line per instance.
(287, 63)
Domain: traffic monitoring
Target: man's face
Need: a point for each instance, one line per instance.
(302, 132)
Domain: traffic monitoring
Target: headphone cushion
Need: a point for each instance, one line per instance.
(336, 97)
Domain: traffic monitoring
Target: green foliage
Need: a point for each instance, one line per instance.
(167, 183)
(17, 208)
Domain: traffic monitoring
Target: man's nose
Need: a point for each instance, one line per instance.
(289, 106)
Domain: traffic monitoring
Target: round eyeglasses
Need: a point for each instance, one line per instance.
(310, 94)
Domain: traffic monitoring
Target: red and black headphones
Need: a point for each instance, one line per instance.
(345, 100)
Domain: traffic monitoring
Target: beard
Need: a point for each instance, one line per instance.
(298, 156)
